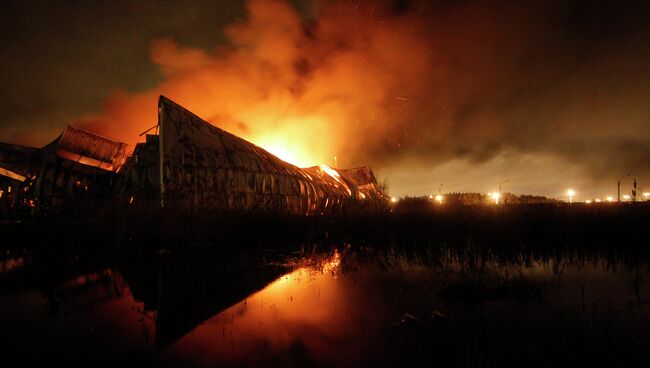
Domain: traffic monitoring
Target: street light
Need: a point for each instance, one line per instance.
(646, 196)
(496, 197)
(439, 198)
(618, 198)
(610, 199)
(570, 193)
(393, 199)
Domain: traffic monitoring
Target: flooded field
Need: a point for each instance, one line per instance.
(342, 305)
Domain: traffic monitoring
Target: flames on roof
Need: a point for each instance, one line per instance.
(191, 163)
(200, 164)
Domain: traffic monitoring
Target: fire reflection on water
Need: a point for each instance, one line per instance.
(305, 310)
(354, 308)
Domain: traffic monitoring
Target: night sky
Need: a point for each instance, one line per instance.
(547, 95)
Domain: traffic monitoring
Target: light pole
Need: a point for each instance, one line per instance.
(618, 198)
(503, 182)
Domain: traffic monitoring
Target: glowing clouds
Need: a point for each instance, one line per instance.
(305, 92)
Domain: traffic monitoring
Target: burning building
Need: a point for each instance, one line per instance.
(193, 163)
(77, 166)
(189, 163)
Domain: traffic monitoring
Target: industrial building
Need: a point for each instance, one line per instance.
(73, 174)
(188, 163)
(191, 162)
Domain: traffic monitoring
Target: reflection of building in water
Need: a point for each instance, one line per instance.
(203, 165)
(307, 317)
(184, 290)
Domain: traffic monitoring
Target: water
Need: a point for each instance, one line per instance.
(340, 306)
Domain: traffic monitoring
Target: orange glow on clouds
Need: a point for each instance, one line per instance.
(303, 97)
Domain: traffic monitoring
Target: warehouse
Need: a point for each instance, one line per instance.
(193, 163)
(188, 163)
(74, 174)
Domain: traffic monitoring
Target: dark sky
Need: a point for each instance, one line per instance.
(61, 59)
(548, 95)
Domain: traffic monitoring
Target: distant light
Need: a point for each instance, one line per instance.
(439, 198)
(646, 195)
(597, 200)
(496, 197)
(430, 196)
(610, 199)
(570, 193)
(626, 197)
(393, 199)
(588, 201)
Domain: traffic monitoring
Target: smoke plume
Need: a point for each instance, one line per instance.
(414, 84)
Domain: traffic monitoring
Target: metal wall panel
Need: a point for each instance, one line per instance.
(203, 165)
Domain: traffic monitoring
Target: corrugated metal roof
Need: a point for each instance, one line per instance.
(96, 147)
(192, 148)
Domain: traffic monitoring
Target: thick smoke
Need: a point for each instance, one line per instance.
(410, 84)
(342, 84)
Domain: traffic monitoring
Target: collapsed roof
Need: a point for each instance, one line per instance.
(190, 162)
(200, 164)
(89, 149)
(18, 162)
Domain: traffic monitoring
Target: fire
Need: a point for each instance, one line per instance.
(293, 153)
(302, 141)
(334, 174)
(331, 172)
(333, 263)
(294, 93)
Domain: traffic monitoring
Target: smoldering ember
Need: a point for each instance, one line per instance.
(279, 183)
